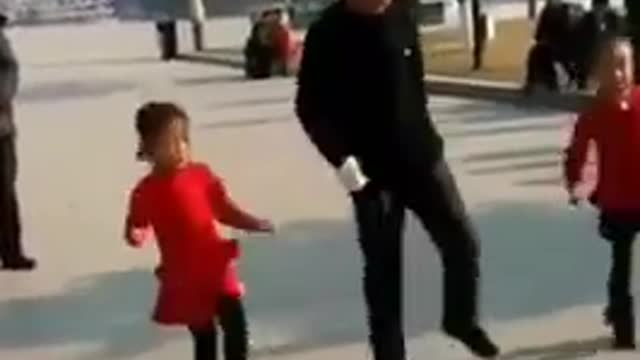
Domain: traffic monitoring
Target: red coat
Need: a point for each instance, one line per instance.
(615, 131)
(196, 265)
(287, 44)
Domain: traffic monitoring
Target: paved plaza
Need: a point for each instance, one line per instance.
(544, 267)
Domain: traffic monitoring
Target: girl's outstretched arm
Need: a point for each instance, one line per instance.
(231, 214)
(576, 154)
(137, 228)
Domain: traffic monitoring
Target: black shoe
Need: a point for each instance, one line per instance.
(624, 346)
(476, 340)
(19, 264)
(622, 320)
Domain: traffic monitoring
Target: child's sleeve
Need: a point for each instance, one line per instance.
(577, 151)
(137, 222)
(226, 210)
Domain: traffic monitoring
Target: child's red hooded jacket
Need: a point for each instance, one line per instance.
(615, 130)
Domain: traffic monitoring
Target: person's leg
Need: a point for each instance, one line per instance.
(205, 342)
(172, 39)
(619, 311)
(533, 69)
(437, 202)
(233, 322)
(11, 252)
(380, 220)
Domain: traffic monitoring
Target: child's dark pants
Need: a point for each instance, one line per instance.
(620, 230)
(232, 320)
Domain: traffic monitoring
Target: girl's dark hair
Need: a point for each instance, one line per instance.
(152, 119)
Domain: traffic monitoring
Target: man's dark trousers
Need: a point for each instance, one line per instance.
(436, 201)
(10, 228)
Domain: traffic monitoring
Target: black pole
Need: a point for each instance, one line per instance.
(532, 9)
(479, 34)
(198, 35)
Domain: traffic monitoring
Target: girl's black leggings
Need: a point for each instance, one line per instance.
(233, 322)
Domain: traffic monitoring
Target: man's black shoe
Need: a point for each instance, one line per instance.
(623, 345)
(476, 340)
(19, 264)
(620, 317)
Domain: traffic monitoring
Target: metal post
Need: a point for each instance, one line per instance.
(532, 9)
(479, 34)
(198, 18)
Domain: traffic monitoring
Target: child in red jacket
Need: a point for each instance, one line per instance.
(612, 123)
(180, 201)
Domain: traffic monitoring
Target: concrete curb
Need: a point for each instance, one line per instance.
(450, 86)
(203, 58)
(504, 92)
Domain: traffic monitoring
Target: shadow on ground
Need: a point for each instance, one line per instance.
(67, 90)
(144, 60)
(108, 310)
(561, 351)
(305, 286)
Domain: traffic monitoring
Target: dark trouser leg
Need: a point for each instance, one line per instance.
(167, 33)
(205, 341)
(10, 228)
(438, 204)
(198, 35)
(620, 276)
(442, 212)
(620, 310)
(233, 321)
(380, 219)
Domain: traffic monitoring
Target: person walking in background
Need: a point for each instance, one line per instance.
(178, 201)
(361, 101)
(11, 252)
(612, 123)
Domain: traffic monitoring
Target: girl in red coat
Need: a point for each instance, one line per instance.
(612, 123)
(180, 201)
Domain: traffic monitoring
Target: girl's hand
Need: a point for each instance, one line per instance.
(574, 201)
(136, 237)
(265, 226)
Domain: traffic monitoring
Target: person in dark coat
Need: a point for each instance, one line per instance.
(361, 101)
(11, 252)
(595, 28)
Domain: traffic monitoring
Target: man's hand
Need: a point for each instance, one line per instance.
(351, 175)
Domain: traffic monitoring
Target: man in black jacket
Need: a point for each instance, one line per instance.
(361, 100)
(11, 253)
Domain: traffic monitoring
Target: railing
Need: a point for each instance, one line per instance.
(48, 11)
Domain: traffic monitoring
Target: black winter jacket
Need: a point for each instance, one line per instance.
(361, 92)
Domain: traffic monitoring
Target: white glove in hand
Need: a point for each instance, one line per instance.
(351, 175)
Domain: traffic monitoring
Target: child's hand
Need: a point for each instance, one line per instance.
(574, 201)
(265, 226)
(136, 237)
(577, 196)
